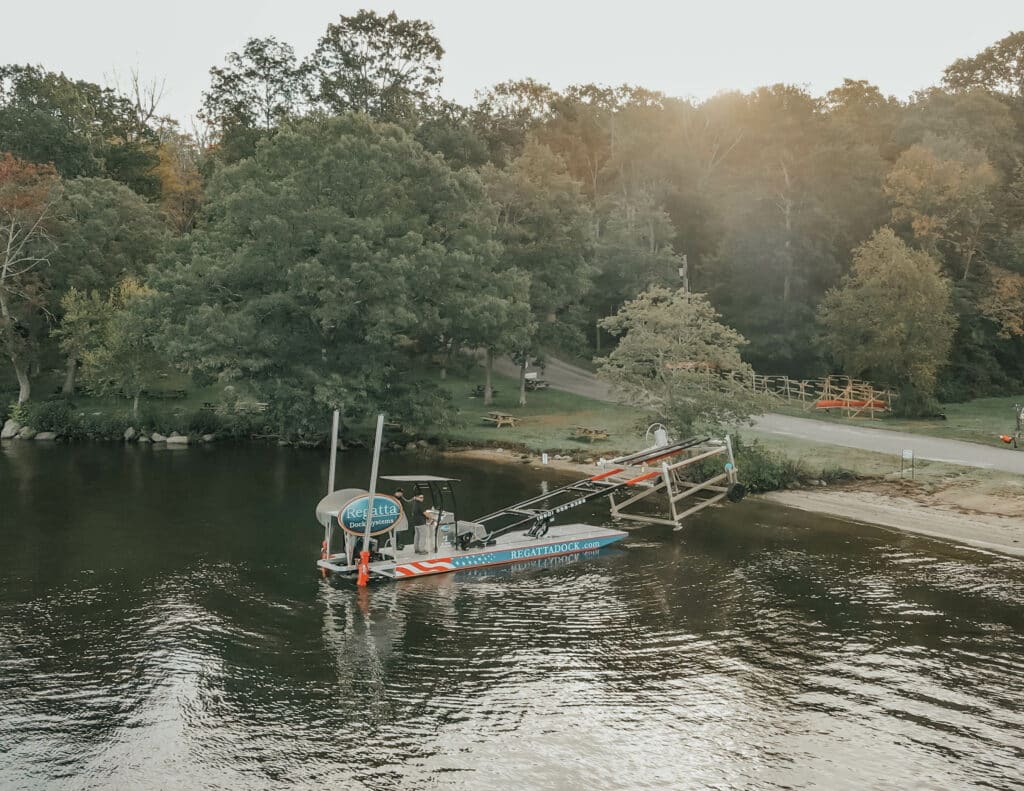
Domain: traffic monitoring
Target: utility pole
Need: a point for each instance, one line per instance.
(684, 275)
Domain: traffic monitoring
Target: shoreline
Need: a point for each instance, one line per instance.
(989, 521)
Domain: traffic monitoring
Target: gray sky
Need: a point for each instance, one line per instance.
(681, 48)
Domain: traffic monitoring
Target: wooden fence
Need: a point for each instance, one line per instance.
(852, 397)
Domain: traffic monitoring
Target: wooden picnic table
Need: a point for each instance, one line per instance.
(480, 390)
(500, 419)
(589, 433)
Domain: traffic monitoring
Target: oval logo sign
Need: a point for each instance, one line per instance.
(387, 512)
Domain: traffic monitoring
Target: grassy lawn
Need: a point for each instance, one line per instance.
(981, 420)
(546, 422)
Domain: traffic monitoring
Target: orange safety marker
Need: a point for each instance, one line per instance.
(364, 568)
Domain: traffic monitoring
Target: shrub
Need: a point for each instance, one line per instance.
(46, 416)
(760, 469)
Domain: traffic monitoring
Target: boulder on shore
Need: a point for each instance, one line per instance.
(46, 435)
(156, 436)
(129, 434)
(10, 429)
(177, 439)
(144, 440)
(26, 433)
(208, 437)
(173, 434)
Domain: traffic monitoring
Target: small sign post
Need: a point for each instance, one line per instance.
(907, 462)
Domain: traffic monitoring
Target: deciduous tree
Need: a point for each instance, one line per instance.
(29, 195)
(671, 357)
(320, 272)
(114, 338)
(383, 66)
(892, 319)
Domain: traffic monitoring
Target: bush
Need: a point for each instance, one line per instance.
(45, 416)
(99, 425)
(760, 469)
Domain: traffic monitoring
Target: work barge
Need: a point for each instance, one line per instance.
(663, 485)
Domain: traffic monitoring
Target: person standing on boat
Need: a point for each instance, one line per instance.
(418, 518)
(407, 510)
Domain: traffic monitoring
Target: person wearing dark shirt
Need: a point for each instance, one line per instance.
(418, 518)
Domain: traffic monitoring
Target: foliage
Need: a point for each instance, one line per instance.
(79, 127)
(323, 266)
(114, 338)
(255, 91)
(29, 195)
(997, 68)
(892, 319)
(942, 189)
(670, 359)
(106, 232)
(383, 66)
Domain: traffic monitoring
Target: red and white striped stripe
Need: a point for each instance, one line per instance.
(424, 567)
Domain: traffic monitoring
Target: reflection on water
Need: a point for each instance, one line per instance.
(161, 626)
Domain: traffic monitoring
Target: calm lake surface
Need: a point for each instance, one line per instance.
(161, 626)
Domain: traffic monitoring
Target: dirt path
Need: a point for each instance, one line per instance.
(573, 379)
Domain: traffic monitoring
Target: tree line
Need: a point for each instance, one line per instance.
(330, 224)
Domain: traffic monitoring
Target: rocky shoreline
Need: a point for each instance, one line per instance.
(13, 430)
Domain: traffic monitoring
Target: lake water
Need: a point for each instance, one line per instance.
(161, 626)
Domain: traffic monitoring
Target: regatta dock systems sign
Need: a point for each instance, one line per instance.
(387, 512)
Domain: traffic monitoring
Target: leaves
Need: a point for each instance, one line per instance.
(892, 319)
(671, 358)
(379, 65)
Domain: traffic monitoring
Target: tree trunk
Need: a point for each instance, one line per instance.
(24, 384)
(488, 365)
(135, 406)
(522, 382)
(68, 389)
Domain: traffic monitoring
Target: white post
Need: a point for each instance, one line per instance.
(334, 453)
(732, 460)
(373, 482)
(329, 528)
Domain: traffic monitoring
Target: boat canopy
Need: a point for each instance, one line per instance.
(328, 507)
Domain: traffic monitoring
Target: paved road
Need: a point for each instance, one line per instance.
(576, 380)
(966, 454)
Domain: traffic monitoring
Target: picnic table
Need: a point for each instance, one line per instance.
(537, 384)
(500, 419)
(479, 390)
(589, 433)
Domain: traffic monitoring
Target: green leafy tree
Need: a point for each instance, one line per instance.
(545, 228)
(892, 319)
(506, 114)
(321, 272)
(997, 68)
(677, 360)
(943, 189)
(105, 233)
(252, 94)
(383, 66)
(114, 338)
(79, 127)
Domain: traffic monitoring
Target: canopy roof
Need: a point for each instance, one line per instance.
(416, 478)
